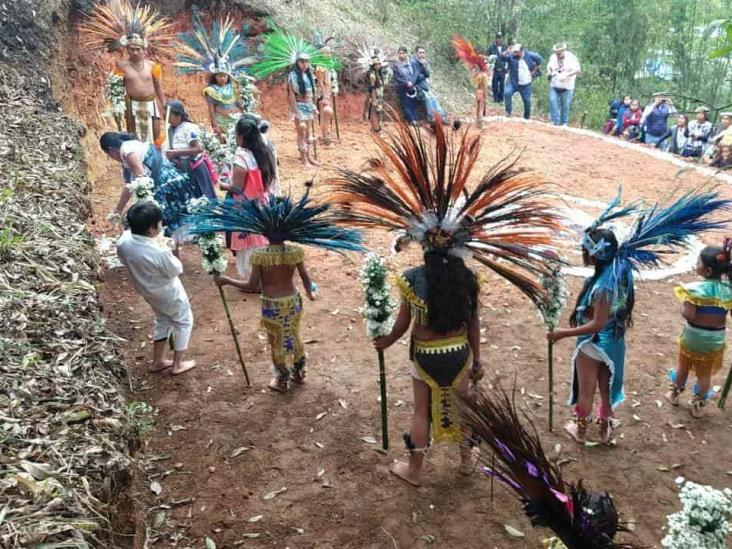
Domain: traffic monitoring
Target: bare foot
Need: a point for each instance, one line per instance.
(156, 368)
(183, 367)
(278, 385)
(313, 163)
(401, 470)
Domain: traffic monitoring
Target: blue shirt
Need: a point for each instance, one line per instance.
(532, 60)
(656, 121)
(403, 73)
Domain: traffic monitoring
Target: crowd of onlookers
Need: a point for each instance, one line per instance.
(659, 124)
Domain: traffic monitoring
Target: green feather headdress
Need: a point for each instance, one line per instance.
(281, 49)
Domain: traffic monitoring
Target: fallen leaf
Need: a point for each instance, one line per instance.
(398, 403)
(343, 403)
(659, 404)
(637, 418)
(513, 532)
(663, 468)
(239, 451)
(155, 488)
(369, 440)
(429, 538)
(319, 445)
(253, 535)
(255, 518)
(335, 312)
(321, 472)
(591, 444)
(210, 543)
(298, 530)
(558, 448)
(274, 494)
(320, 416)
(677, 425)
(677, 466)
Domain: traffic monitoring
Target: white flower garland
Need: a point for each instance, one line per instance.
(115, 92)
(248, 93)
(554, 284)
(379, 306)
(218, 153)
(334, 89)
(142, 189)
(211, 245)
(702, 523)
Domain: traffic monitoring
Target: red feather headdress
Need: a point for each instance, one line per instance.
(467, 54)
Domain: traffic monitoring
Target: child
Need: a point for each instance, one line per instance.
(280, 220)
(605, 305)
(155, 275)
(702, 342)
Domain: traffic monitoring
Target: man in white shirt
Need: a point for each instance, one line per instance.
(562, 69)
(155, 275)
(523, 66)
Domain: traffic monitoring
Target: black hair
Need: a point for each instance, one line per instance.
(718, 260)
(142, 216)
(301, 78)
(623, 315)
(248, 130)
(452, 291)
(402, 49)
(212, 78)
(113, 140)
(419, 47)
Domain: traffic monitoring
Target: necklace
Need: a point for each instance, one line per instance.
(138, 68)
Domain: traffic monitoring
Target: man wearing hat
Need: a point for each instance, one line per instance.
(377, 76)
(496, 52)
(523, 65)
(562, 69)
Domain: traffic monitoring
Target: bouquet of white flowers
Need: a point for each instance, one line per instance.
(379, 306)
(334, 88)
(377, 314)
(248, 93)
(142, 189)
(702, 523)
(115, 92)
(219, 153)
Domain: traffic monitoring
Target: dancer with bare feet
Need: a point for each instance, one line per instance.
(155, 274)
(301, 92)
(280, 220)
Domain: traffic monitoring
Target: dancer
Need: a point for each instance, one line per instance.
(324, 103)
(186, 151)
(604, 306)
(422, 193)
(281, 221)
(155, 274)
(581, 519)
(378, 76)
(172, 190)
(282, 51)
(221, 53)
(702, 342)
(140, 30)
(252, 176)
(479, 73)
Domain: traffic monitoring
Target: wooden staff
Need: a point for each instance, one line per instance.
(384, 421)
(313, 138)
(334, 98)
(723, 396)
(233, 334)
(551, 385)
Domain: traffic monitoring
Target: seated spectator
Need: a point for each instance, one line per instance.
(422, 73)
(627, 100)
(404, 82)
(721, 135)
(723, 159)
(655, 118)
(675, 138)
(609, 126)
(698, 133)
(631, 121)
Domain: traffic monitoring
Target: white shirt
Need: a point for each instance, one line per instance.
(154, 272)
(524, 74)
(184, 135)
(559, 68)
(134, 147)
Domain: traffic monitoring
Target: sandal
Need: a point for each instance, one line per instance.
(298, 375)
(278, 385)
(696, 406)
(577, 428)
(606, 429)
(672, 396)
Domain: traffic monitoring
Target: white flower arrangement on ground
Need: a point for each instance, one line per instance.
(142, 189)
(211, 245)
(115, 92)
(379, 306)
(702, 523)
(554, 284)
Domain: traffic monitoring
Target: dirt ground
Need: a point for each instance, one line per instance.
(218, 447)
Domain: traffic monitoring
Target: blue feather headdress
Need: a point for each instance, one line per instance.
(223, 50)
(278, 219)
(665, 228)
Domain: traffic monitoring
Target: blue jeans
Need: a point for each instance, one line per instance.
(559, 103)
(652, 139)
(432, 106)
(498, 85)
(409, 106)
(524, 91)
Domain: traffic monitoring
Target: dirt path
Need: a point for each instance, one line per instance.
(234, 445)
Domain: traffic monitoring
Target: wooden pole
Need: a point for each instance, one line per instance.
(335, 116)
(384, 422)
(551, 385)
(723, 396)
(233, 334)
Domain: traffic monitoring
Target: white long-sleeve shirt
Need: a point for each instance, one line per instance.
(558, 70)
(155, 273)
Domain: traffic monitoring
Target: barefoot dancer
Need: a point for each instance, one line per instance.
(702, 343)
(605, 305)
(324, 103)
(301, 92)
(422, 193)
(139, 30)
(155, 275)
(479, 73)
(280, 220)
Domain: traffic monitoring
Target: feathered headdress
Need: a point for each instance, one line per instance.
(580, 518)
(281, 50)
(666, 228)
(223, 50)
(420, 190)
(278, 219)
(467, 54)
(119, 24)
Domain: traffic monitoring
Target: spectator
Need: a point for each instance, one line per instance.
(404, 82)
(631, 121)
(421, 69)
(498, 82)
(627, 100)
(614, 106)
(562, 69)
(723, 159)
(523, 66)
(675, 138)
(698, 133)
(721, 135)
(655, 118)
